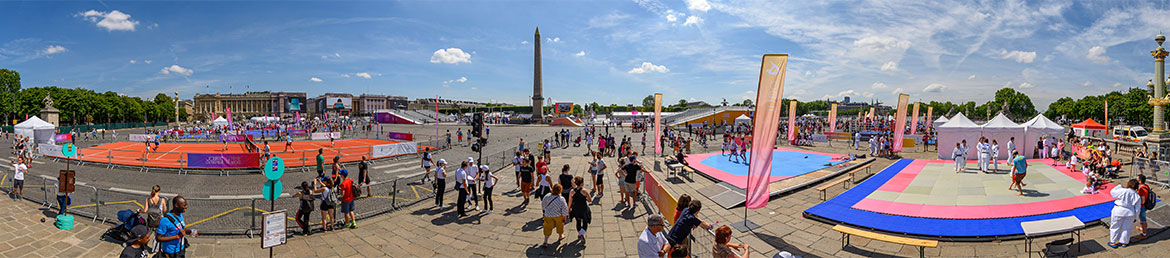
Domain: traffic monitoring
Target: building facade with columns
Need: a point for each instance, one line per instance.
(207, 107)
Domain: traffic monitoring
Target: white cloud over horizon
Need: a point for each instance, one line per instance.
(111, 21)
(450, 56)
(649, 67)
(176, 69)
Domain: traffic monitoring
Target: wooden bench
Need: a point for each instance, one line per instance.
(853, 180)
(847, 231)
(830, 184)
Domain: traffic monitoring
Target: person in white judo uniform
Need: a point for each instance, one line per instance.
(1125, 210)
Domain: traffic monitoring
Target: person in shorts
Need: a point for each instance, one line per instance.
(597, 169)
(19, 169)
(1019, 170)
(526, 178)
(287, 141)
(629, 175)
(347, 196)
(426, 164)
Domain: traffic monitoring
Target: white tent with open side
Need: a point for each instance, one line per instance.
(956, 130)
(743, 119)
(1001, 129)
(37, 129)
(939, 122)
(219, 121)
(1036, 128)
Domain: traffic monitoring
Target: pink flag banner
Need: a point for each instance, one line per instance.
(914, 123)
(900, 122)
(229, 117)
(764, 127)
(833, 118)
(657, 122)
(929, 119)
(791, 121)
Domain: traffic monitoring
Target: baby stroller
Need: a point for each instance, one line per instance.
(121, 232)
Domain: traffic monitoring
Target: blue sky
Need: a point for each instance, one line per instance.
(602, 51)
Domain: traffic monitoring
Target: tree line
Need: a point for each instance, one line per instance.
(81, 106)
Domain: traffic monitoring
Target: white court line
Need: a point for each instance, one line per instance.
(38, 162)
(169, 152)
(400, 170)
(5, 160)
(397, 164)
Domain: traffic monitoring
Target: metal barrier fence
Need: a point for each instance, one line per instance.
(1157, 172)
(220, 216)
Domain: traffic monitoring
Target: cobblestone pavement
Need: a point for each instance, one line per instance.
(513, 231)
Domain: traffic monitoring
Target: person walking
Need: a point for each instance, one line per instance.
(440, 183)
(320, 162)
(489, 183)
(1019, 171)
(556, 211)
(172, 231)
(597, 173)
(426, 164)
(629, 175)
(363, 175)
(526, 179)
(1148, 201)
(1125, 210)
(652, 242)
(566, 181)
(579, 206)
(19, 169)
(516, 166)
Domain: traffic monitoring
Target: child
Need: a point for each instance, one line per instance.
(1091, 181)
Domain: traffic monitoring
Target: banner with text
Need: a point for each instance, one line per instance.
(298, 132)
(401, 136)
(233, 137)
(326, 136)
(900, 122)
(223, 160)
(833, 118)
(929, 119)
(141, 137)
(791, 122)
(657, 122)
(394, 149)
(62, 137)
(764, 128)
(914, 123)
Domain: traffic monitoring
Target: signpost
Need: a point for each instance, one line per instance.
(273, 229)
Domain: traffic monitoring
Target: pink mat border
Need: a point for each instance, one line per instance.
(695, 161)
(900, 181)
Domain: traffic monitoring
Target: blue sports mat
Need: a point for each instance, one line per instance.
(839, 209)
(784, 163)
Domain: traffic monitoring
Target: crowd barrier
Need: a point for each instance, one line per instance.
(1156, 171)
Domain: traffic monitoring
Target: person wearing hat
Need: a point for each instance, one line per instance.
(652, 242)
(440, 183)
(472, 187)
(347, 196)
(489, 182)
(136, 247)
(461, 186)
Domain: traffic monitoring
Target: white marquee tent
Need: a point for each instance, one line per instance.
(955, 130)
(220, 121)
(940, 121)
(1001, 129)
(1039, 126)
(37, 129)
(743, 119)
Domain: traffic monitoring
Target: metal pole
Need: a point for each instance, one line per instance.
(253, 215)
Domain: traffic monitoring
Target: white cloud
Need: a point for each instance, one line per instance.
(450, 56)
(897, 91)
(363, 75)
(336, 55)
(878, 86)
(315, 79)
(474, 88)
(934, 87)
(1097, 55)
(554, 40)
(582, 53)
(53, 49)
(1019, 56)
(1115, 85)
(524, 42)
(698, 5)
(176, 69)
(649, 67)
(1086, 84)
(890, 66)
(972, 77)
(111, 21)
(1024, 85)
(147, 61)
(132, 61)
(881, 43)
(672, 16)
(345, 75)
(462, 79)
(693, 20)
(327, 57)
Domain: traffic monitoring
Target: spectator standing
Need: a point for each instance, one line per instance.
(489, 183)
(328, 202)
(598, 171)
(19, 169)
(347, 196)
(1143, 191)
(320, 162)
(579, 206)
(306, 208)
(472, 186)
(566, 181)
(364, 176)
(137, 246)
(526, 179)
(461, 186)
(1125, 209)
(556, 211)
(516, 164)
(629, 175)
(652, 242)
(440, 183)
(426, 164)
(172, 231)
(680, 233)
(155, 207)
(723, 248)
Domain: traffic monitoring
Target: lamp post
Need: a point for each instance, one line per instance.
(176, 108)
(1157, 100)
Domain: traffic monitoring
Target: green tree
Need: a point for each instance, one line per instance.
(682, 103)
(648, 101)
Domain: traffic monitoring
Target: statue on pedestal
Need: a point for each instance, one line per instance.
(48, 101)
(49, 113)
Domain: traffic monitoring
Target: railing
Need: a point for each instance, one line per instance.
(220, 215)
(1155, 171)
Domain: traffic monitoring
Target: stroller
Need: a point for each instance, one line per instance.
(121, 232)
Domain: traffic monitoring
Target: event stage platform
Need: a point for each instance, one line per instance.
(927, 198)
(791, 170)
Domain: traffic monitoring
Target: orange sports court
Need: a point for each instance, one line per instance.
(174, 155)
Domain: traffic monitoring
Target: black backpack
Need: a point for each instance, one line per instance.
(1151, 200)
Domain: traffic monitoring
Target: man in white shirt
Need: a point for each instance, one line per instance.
(472, 187)
(652, 242)
(461, 185)
(18, 178)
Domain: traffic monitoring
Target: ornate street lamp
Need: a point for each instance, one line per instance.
(1159, 91)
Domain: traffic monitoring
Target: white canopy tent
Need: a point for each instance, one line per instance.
(940, 121)
(1001, 129)
(36, 129)
(956, 130)
(220, 121)
(1036, 128)
(743, 119)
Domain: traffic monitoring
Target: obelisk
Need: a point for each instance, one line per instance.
(537, 99)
